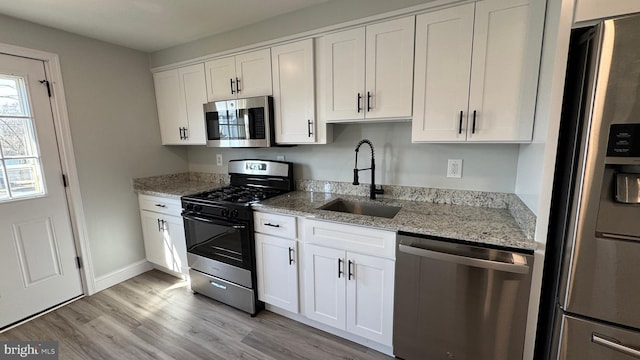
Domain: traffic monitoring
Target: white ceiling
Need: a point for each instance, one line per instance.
(149, 25)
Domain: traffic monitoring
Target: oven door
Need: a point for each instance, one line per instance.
(225, 241)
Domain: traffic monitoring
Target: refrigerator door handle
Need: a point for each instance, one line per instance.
(618, 237)
(518, 266)
(595, 338)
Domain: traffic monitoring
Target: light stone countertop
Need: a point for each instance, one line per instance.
(471, 224)
(176, 185)
(466, 216)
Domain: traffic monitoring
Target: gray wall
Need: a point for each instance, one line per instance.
(114, 127)
(311, 18)
(486, 167)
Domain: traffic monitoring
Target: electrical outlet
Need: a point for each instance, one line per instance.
(280, 157)
(219, 159)
(454, 168)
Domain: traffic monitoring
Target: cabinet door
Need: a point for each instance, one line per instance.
(389, 69)
(175, 244)
(370, 297)
(504, 69)
(344, 69)
(221, 77)
(277, 270)
(253, 74)
(325, 285)
(171, 107)
(193, 89)
(152, 234)
(442, 71)
(294, 92)
(164, 241)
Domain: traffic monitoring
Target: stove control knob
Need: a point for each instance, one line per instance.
(189, 207)
(225, 212)
(234, 213)
(197, 207)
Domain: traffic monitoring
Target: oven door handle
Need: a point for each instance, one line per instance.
(189, 216)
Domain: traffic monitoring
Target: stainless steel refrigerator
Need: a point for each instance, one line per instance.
(591, 284)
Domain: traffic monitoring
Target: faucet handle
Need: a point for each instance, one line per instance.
(355, 177)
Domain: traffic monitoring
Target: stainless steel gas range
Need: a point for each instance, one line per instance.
(219, 231)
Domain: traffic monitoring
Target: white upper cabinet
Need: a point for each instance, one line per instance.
(241, 76)
(599, 9)
(367, 72)
(502, 46)
(180, 95)
(442, 71)
(294, 92)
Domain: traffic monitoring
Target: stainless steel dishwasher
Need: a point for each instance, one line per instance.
(457, 301)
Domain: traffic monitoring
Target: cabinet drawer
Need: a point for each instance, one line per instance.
(275, 224)
(351, 238)
(160, 205)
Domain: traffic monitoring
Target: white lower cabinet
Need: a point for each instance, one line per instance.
(277, 270)
(325, 289)
(277, 260)
(370, 297)
(163, 233)
(347, 289)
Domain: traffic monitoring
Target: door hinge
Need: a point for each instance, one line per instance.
(64, 180)
(79, 262)
(46, 83)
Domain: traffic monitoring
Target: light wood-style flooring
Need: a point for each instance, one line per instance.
(155, 316)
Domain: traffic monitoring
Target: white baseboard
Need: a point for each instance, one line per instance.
(120, 275)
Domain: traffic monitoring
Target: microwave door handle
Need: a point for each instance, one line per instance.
(247, 128)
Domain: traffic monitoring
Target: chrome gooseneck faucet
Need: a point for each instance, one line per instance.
(372, 188)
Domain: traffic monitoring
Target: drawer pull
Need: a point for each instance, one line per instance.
(272, 225)
(218, 285)
(616, 346)
(161, 205)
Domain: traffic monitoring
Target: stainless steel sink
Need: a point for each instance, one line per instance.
(361, 208)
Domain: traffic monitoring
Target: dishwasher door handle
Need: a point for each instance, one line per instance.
(519, 268)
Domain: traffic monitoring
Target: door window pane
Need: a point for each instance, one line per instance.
(20, 167)
(4, 194)
(13, 99)
(17, 137)
(24, 177)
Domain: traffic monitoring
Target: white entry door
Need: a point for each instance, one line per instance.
(37, 252)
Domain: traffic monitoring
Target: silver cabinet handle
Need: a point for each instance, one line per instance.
(615, 346)
(519, 267)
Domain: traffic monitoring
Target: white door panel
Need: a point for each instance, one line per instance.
(370, 297)
(37, 251)
(325, 286)
(221, 75)
(344, 68)
(253, 74)
(501, 50)
(443, 65)
(389, 68)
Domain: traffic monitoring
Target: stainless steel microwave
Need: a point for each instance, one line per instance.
(240, 123)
